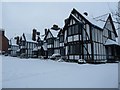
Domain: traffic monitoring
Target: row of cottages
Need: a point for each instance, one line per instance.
(27, 45)
(93, 40)
(84, 38)
(13, 47)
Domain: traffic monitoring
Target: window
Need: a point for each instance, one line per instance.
(50, 41)
(61, 38)
(76, 30)
(50, 52)
(62, 52)
(23, 43)
(75, 49)
(69, 31)
(109, 34)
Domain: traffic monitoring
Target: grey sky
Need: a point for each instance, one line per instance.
(24, 16)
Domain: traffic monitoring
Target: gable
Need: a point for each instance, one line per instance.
(49, 35)
(71, 20)
(110, 26)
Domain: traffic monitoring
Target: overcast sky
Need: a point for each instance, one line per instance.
(23, 17)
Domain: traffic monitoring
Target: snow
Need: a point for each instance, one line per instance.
(98, 21)
(42, 37)
(111, 42)
(56, 54)
(13, 42)
(29, 38)
(35, 49)
(75, 17)
(54, 32)
(18, 50)
(39, 73)
(44, 47)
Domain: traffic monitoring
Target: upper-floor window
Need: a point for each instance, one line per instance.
(61, 38)
(22, 43)
(40, 43)
(74, 29)
(109, 34)
(50, 41)
(75, 49)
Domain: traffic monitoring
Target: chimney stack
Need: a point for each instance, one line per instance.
(45, 31)
(2, 32)
(17, 40)
(55, 27)
(85, 13)
(34, 34)
(38, 33)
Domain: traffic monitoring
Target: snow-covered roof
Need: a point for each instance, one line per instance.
(13, 41)
(28, 37)
(111, 42)
(44, 47)
(98, 21)
(54, 32)
(42, 37)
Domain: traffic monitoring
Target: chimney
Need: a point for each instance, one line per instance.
(38, 33)
(38, 39)
(2, 32)
(45, 31)
(55, 27)
(85, 13)
(17, 40)
(34, 34)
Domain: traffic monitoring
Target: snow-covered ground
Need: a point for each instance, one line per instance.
(36, 73)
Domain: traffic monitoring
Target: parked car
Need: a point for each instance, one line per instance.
(55, 56)
(81, 61)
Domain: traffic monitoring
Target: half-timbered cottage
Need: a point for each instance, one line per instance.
(13, 49)
(27, 44)
(85, 39)
(52, 40)
(40, 51)
(109, 40)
